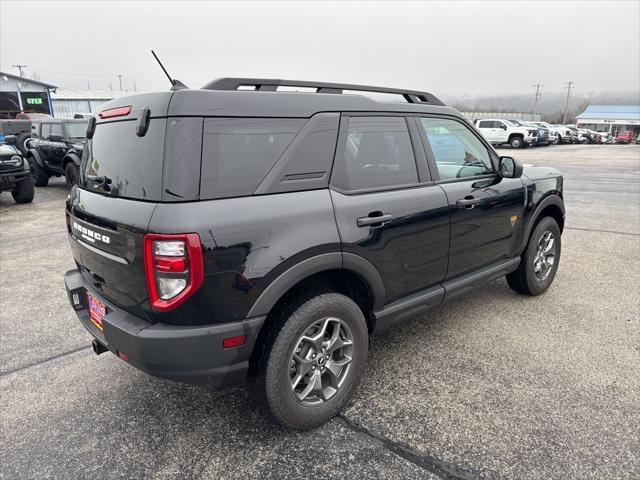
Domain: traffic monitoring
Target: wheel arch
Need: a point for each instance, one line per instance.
(551, 206)
(70, 157)
(33, 153)
(355, 278)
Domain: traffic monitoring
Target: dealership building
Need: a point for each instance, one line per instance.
(19, 94)
(610, 118)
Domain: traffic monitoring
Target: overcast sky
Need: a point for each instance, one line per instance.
(449, 48)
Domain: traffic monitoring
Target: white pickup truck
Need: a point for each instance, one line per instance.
(498, 131)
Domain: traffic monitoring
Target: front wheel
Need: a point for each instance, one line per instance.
(315, 361)
(540, 260)
(24, 192)
(516, 142)
(40, 175)
(71, 174)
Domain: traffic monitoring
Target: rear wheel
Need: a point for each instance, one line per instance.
(315, 361)
(516, 142)
(71, 174)
(540, 260)
(24, 192)
(40, 175)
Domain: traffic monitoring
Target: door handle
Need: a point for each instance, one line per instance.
(467, 202)
(377, 221)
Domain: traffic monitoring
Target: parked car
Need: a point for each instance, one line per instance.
(222, 234)
(566, 135)
(543, 132)
(553, 132)
(55, 149)
(582, 136)
(15, 176)
(19, 128)
(625, 137)
(498, 131)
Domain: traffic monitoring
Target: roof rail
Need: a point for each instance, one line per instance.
(271, 85)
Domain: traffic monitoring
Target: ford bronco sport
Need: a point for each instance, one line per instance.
(240, 231)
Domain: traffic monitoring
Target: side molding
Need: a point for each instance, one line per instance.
(300, 271)
(317, 264)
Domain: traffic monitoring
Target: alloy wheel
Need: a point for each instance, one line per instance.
(321, 361)
(545, 256)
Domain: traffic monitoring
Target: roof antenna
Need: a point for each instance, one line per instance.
(175, 83)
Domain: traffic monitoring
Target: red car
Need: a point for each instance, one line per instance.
(625, 137)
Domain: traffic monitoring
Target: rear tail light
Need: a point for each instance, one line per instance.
(173, 268)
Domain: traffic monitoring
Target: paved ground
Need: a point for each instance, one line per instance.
(495, 385)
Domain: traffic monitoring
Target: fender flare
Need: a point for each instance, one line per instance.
(552, 199)
(71, 156)
(36, 156)
(317, 264)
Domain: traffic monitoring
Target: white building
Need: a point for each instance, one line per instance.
(610, 118)
(66, 103)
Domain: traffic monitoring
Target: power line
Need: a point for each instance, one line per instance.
(566, 105)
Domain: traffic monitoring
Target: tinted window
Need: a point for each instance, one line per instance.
(182, 155)
(377, 153)
(56, 129)
(486, 124)
(133, 164)
(457, 151)
(238, 152)
(46, 130)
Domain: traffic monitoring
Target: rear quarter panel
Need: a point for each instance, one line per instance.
(247, 243)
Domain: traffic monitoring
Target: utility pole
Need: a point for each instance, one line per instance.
(120, 80)
(134, 87)
(566, 105)
(88, 86)
(20, 67)
(538, 95)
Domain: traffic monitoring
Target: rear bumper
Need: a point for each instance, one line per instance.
(186, 354)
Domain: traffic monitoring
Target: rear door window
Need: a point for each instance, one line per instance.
(377, 153)
(118, 163)
(238, 152)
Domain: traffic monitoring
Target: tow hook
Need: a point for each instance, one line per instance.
(98, 348)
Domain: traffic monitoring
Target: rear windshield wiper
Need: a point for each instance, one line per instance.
(101, 181)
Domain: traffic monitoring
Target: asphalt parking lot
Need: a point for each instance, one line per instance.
(493, 385)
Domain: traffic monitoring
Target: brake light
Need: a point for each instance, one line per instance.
(116, 112)
(173, 268)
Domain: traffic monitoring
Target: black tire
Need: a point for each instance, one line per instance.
(560, 141)
(71, 174)
(273, 383)
(525, 279)
(40, 175)
(516, 142)
(24, 192)
(21, 140)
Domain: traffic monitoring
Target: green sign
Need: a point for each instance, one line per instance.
(34, 101)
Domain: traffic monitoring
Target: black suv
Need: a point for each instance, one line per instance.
(55, 149)
(243, 231)
(15, 176)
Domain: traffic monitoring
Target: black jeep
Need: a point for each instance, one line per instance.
(15, 176)
(55, 149)
(241, 231)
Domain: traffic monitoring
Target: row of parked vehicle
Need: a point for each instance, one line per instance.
(34, 150)
(521, 133)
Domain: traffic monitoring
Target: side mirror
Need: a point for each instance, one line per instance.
(55, 138)
(503, 126)
(509, 168)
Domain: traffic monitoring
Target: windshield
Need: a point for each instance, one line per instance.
(512, 122)
(77, 129)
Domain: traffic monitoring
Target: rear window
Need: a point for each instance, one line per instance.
(117, 162)
(238, 152)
